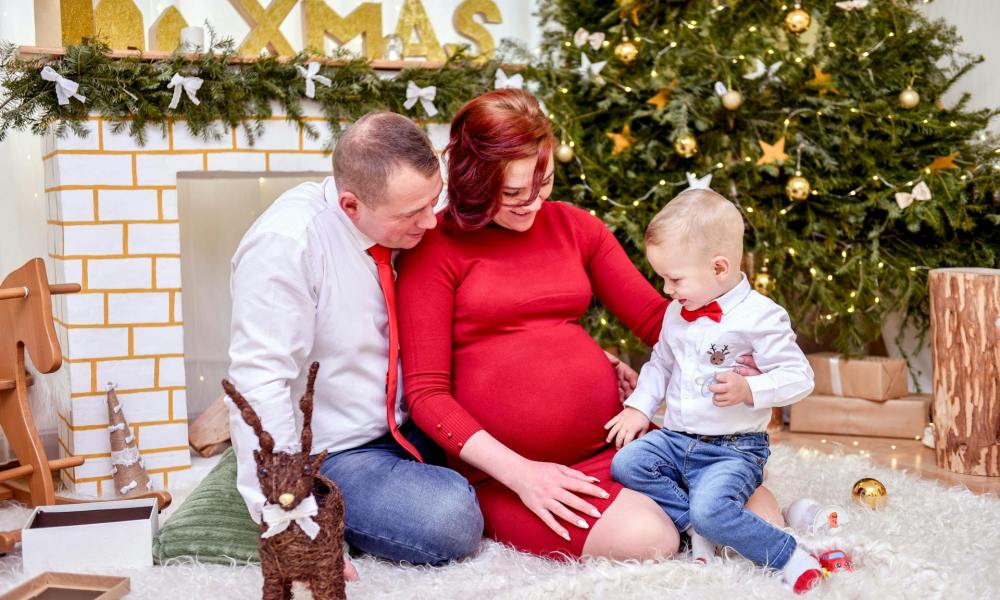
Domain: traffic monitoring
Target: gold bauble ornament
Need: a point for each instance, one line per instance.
(798, 188)
(626, 51)
(564, 153)
(762, 283)
(909, 98)
(797, 20)
(870, 492)
(686, 145)
(732, 100)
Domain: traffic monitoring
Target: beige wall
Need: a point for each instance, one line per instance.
(210, 233)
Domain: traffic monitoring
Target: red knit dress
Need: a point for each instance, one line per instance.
(490, 339)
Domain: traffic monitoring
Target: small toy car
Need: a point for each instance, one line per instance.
(835, 560)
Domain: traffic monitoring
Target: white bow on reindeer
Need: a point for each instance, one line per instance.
(65, 88)
(425, 95)
(278, 519)
(189, 85)
(311, 74)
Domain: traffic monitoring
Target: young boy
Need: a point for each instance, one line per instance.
(708, 458)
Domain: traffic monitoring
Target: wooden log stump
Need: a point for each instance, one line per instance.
(965, 338)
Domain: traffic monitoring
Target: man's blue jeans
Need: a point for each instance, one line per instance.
(401, 510)
(704, 482)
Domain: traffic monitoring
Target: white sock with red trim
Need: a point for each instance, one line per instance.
(702, 549)
(802, 571)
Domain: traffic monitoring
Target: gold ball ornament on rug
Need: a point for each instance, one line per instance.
(686, 145)
(797, 20)
(798, 188)
(564, 153)
(762, 283)
(870, 492)
(732, 100)
(626, 51)
(909, 98)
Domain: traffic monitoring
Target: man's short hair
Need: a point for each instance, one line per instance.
(701, 219)
(373, 148)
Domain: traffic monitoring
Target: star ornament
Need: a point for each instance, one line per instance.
(822, 81)
(772, 152)
(622, 140)
(588, 69)
(943, 162)
(662, 97)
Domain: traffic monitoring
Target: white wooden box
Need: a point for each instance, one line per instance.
(90, 536)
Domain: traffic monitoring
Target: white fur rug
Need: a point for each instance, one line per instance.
(930, 542)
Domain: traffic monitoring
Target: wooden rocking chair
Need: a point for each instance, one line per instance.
(26, 322)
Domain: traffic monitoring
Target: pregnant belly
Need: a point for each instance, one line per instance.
(545, 393)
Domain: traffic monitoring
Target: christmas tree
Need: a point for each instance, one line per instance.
(822, 121)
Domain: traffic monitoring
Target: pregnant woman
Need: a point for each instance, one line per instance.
(496, 366)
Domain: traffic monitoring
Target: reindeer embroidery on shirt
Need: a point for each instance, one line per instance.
(718, 356)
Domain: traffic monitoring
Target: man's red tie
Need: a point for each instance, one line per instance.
(712, 311)
(387, 282)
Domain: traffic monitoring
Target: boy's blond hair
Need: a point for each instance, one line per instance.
(701, 219)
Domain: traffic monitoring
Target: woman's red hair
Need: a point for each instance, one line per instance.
(488, 133)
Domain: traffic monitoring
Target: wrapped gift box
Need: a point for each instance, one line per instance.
(897, 418)
(872, 378)
(90, 536)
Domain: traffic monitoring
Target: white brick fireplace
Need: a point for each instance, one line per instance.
(114, 228)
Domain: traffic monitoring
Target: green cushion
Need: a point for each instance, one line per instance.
(213, 525)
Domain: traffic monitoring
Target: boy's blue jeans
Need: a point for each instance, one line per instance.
(704, 482)
(402, 510)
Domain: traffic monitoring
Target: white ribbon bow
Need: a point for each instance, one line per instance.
(589, 69)
(694, 183)
(311, 73)
(502, 82)
(853, 5)
(582, 36)
(760, 69)
(278, 518)
(190, 85)
(425, 95)
(65, 88)
(920, 192)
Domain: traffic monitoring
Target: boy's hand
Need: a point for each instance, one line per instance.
(626, 426)
(627, 377)
(731, 389)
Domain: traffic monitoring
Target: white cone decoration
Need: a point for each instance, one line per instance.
(126, 463)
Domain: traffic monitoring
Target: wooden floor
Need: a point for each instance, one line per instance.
(910, 455)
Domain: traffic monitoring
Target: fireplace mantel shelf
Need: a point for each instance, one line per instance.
(30, 52)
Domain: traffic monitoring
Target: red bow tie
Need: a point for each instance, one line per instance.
(712, 311)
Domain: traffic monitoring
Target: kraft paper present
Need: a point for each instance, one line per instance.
(897, 418)
(876, 378)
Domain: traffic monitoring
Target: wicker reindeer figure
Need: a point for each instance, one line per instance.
(301, 536)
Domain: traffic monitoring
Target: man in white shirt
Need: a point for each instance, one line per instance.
(306, 288)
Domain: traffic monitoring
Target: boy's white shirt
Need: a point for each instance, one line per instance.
(680, 369)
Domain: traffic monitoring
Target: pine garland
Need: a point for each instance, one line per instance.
(132, 92)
